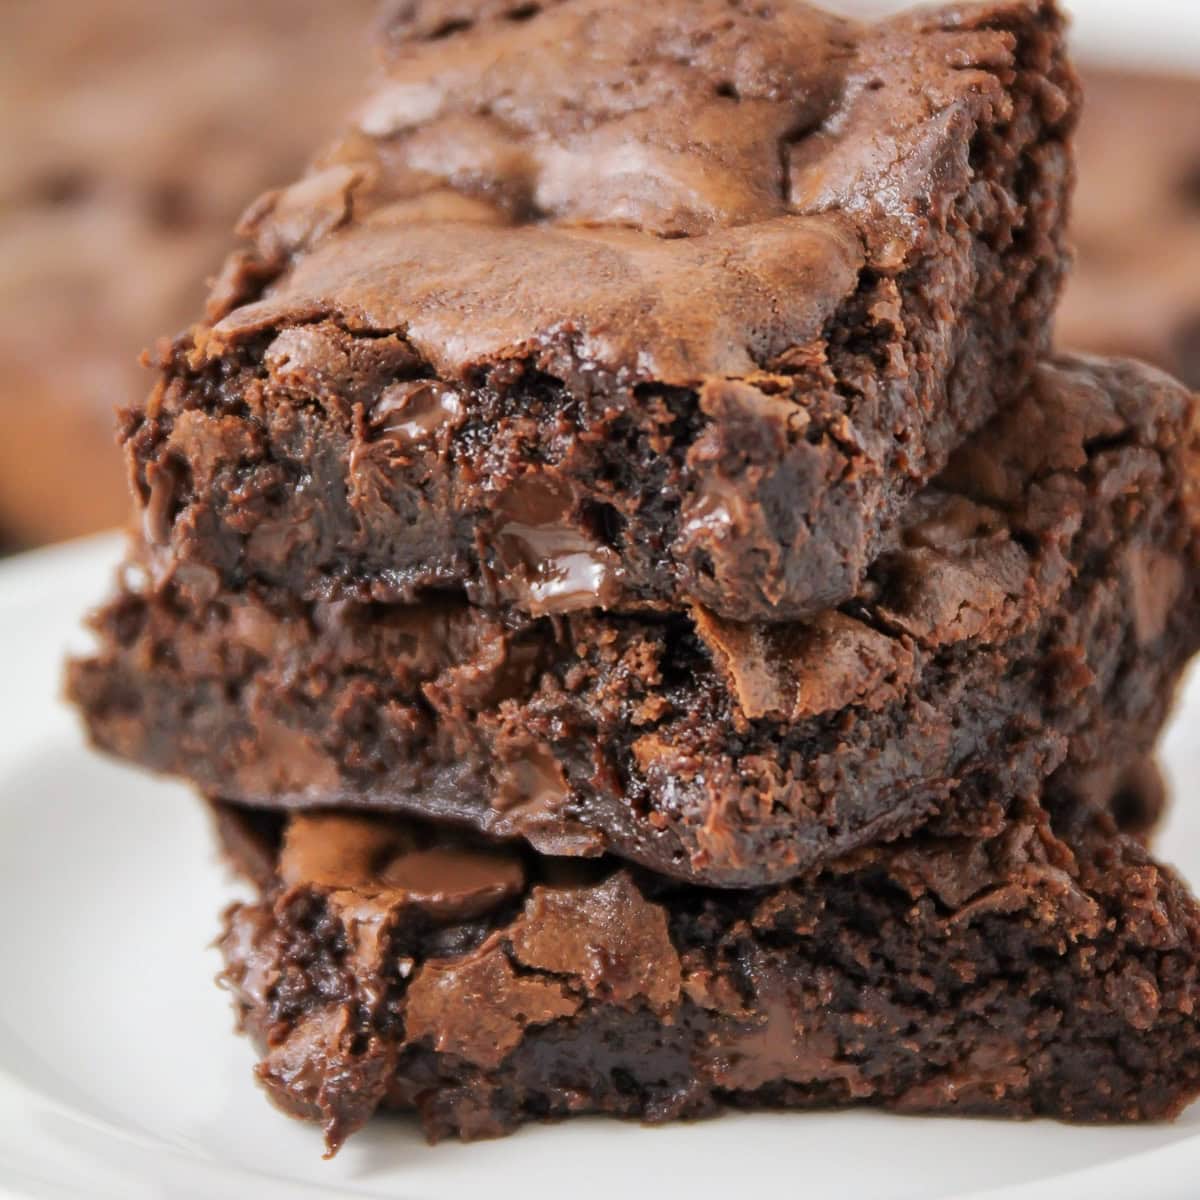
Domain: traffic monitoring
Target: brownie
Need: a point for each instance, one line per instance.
(1135, 288)
(685, 313)
(1037, 606)
(134, 132)
(1046, 968)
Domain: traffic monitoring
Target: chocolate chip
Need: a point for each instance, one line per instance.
(414, 413)
(454, 882)
(555, 563)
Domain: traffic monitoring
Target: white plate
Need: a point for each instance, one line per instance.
(120, 1075)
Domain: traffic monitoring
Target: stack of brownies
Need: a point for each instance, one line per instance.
(649, 615)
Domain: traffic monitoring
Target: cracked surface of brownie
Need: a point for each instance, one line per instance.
(1037, 606)
(1036, 970)
(622, 306)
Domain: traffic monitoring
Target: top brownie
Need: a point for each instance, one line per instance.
(623, 306)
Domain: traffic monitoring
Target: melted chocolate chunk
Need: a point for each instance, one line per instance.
(386, 864)
(452, 881)
(413, 415)
(543, 554)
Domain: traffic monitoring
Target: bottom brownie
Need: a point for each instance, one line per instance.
(1046, 967)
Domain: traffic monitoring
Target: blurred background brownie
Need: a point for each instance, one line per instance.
(1136, 284)
(134, 134)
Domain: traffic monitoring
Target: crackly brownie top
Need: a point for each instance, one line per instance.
(636, 186)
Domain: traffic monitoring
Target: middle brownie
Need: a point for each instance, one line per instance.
(1036, 607)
